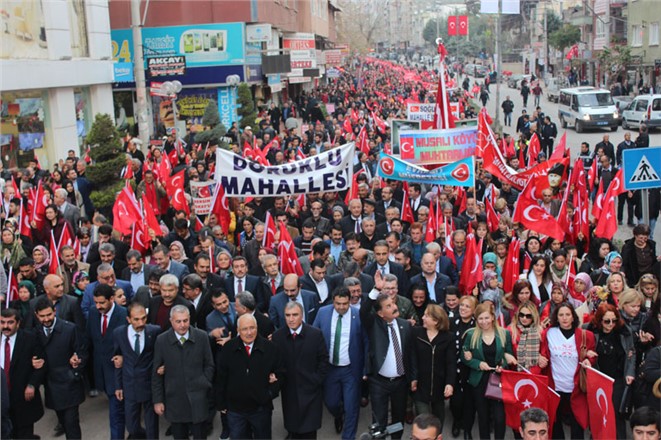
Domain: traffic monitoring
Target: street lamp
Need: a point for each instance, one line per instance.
(233, 80)
(171, 88)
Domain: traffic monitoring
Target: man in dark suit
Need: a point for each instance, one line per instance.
(346, 357)
(316, 281)
(435, 282)
(273, 278)
(348, 222)
(65, 358)
(391, 368)
(181, 393)
(199, 298)
(151, 290)
(107, 255)
(162, 259)
(106, 275)
(321, 225)
(105, 236)
(84, 187)
(470, 214)
(137, 272)
(387, 201)
(443, 264)
(25, 405)
(66, 306)
(416, 200)
(245, 304)
(385, 266)
(292, 292)
(240, 281)
(202, 267)
(69, 212)
(135, 344)
(102, 322)
(248, 378)
(160, 306)
(306, 365)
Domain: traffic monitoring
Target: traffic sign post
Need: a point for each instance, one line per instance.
(642, 170)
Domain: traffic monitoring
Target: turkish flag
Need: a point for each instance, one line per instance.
(471, 271)
(127, 172)
(352, 193)
(607, 223)
(484, 132)
(269, 231)
(493, 218)
(463, 25)
(248, 152)
(197, 227)
(530, 214)
(300, 155)
(581, 203)
(174, 186)
(379, 123)
(407, 211)
(522, 391)
(461, 200)
(54, 257)
(346, 126)
(125, 211)
(289, 262)
(12, 287)
(443, 117)
(600, 405)
(363, 144)
(149, 218)
(39, 203)
(452, 25)
(139, 239)
(213, 265)
(534, 147)
(592, 174)
(512, 266)
(66, 237)
(220, 208)
(432, 225)
(25, 228)
(561, 150)
(598, 204)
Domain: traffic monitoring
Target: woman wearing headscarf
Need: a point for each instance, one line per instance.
(582, 286)
(12, 251)
(178, 254)
(490, 292)
(612, 263)
(41, 258)
(80, 281)
(26, 291)
(224, 259)
(420, 300)
(559, 295)
(491, 258)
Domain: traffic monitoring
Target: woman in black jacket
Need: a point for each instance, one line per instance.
(435, 355)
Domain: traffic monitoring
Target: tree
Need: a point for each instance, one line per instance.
(215, 129)
(109, 159)
(429, 32)
(358, 25)
(246, 111)
(614, 62)
(565, 37)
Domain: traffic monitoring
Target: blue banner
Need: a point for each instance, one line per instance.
(218, 44)
(460, 173)
(227, 105)
(123, 72)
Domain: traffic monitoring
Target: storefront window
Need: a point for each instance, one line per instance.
(83, 117)
(22, 125)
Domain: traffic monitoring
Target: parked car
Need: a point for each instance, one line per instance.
(621, 103)
(515, 80)
(644, 109)
(553, 86)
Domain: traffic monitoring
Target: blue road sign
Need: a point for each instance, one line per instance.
(642, 168)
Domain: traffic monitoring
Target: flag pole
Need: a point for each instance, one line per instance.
(9, 281)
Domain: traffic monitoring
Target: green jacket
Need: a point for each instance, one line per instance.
(474, 364)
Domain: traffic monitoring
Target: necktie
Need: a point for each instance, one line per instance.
(48, 331)
(399, 359)
(104, 325)
(336, 342)
(248, 350)
(7, 359)
(383, 270)
(293, 336)
(240, 288)
(182, 340)
(272, 286)
(358, 229)
(136, 344)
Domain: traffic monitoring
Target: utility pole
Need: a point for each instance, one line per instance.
(142, 114)
(499, 71)
(546, 42)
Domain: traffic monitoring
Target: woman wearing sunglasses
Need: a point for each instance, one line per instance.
(616, 355)
(526, 336)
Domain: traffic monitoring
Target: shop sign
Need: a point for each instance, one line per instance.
(302, 50)
(122, 72)
(166, 66)
(258, 33)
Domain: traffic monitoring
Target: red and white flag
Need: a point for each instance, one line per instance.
(471, 271)
(149, 217)
(573, 52)
(54, 255)
(220, 208)
(12, 287)
(269, 231)
(512, 266)
(432, 225)
(139, 239)
(125, 211)
(452, 25)
(174, 186)
(607, 222)
(289, 262)
(443, 117)
(534, 147)
(493, 218)
(522, 391)
(463, 24)
(530, 214)
(600, 405)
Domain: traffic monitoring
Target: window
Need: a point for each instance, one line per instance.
(601, 29)
(636, 35)
(654, 34)
(641, 106)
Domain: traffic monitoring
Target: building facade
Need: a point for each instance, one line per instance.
(56, 74)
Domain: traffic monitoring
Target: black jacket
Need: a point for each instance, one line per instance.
(436, 361)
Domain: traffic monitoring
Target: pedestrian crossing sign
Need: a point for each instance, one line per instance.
(642, 168)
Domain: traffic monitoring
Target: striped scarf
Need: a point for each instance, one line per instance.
(528, 349)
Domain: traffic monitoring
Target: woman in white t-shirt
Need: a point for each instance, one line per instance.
(561, 360)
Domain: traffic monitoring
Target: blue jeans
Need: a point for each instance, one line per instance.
(508, 118)
(342, 388)
(254, 424)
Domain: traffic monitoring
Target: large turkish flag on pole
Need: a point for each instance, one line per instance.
(600, 405)
(452, 25)
(463, 24)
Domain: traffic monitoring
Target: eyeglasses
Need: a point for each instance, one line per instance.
(609, 321)
(525, 315)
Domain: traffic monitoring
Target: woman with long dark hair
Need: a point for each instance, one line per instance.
(540, 278)
(53, 222)
(616, 355)
(435, 355)
(599, 248)
(562, 360)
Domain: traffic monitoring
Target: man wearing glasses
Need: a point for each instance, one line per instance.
(105, 275)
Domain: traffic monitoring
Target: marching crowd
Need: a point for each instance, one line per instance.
(384, 310)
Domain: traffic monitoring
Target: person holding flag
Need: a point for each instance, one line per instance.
(565, 349)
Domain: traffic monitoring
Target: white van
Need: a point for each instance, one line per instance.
(587, 107)
(644, 109)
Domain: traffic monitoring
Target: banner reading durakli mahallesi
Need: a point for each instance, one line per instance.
(330, 170)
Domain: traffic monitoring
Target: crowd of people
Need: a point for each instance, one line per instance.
(204, 321)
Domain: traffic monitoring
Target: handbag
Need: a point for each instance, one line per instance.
(582, 372)
(626, 402)
(494, 388)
